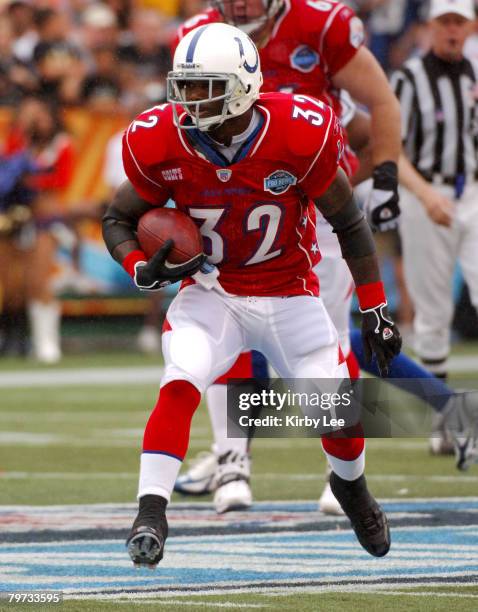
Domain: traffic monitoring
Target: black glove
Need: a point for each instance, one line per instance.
(158, 272)
(380, 336)
(381, 207)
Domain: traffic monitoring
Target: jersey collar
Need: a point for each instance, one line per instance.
(201, 145)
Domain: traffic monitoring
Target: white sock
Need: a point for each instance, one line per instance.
(45, 319)
(158, 474)
(216, 397)
(348, 470)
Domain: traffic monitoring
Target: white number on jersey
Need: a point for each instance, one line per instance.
(212, 216)
(318, 5)
(152, 119)
(273, 213)
(313, 117)
(151, 122)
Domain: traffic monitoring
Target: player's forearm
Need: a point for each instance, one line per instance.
(340, 209)
(385, 130)
(357, 245)
(120, 222)
(118, 234)
(364, 268)
(358, 133)
(120, 239)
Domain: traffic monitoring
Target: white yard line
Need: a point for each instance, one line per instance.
(189, 602)
(427, 594)
(83, 376)
(17, 475)
(138, 375)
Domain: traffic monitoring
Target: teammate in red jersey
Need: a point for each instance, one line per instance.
(249, 168)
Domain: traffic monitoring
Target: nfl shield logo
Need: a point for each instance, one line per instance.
(224, 174)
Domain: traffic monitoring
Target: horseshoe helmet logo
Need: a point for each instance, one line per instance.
(247, 66)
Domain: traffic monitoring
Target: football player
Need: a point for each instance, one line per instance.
(249, 169)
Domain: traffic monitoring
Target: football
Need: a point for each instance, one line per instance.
(161, 224)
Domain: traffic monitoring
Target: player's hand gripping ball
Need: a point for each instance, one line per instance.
(172, 242)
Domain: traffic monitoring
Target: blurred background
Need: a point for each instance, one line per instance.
(72, 75)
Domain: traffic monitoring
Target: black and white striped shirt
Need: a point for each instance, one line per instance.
(439, 104)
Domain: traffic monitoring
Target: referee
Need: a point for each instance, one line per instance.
(438, 95)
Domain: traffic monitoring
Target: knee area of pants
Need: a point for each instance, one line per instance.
(190, 352)
(323, 364)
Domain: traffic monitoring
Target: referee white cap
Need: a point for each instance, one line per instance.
(465, 8)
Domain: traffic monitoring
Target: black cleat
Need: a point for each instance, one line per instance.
(148, 534)
(368, 519)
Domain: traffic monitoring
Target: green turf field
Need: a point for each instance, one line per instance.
(80, 444)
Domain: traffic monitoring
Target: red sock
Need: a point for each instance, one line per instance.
(346, 449)
(167, 430)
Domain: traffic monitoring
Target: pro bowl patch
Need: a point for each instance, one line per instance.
(304, 58)
(279, 182)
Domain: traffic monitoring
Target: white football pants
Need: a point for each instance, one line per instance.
(210, 329)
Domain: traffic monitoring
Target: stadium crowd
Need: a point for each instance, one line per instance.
(109, 59)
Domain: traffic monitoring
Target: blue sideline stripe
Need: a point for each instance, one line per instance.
(194, 42)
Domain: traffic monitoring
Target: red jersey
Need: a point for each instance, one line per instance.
(255, 215)
(311, 41)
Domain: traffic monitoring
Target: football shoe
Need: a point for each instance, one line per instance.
(368, 519)
(232, 490)
(199, 479)
(148, 534)
(441, 439)
(462, 422)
